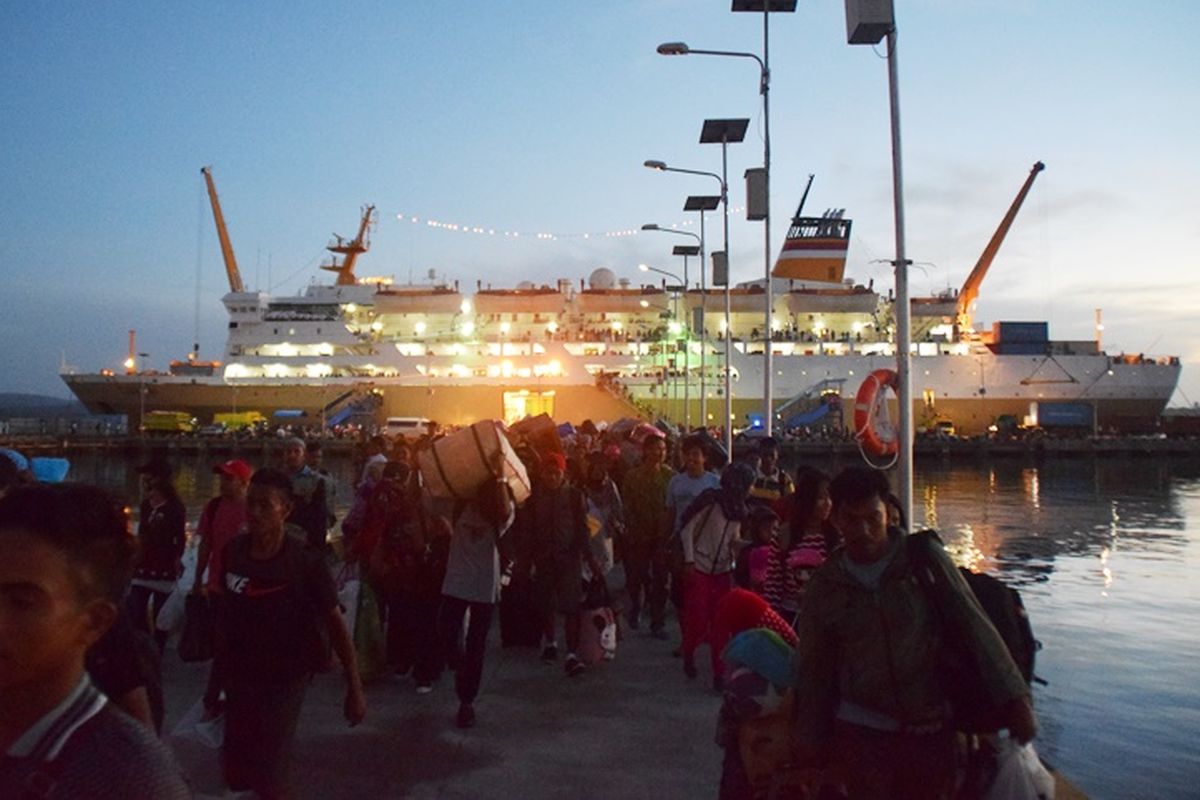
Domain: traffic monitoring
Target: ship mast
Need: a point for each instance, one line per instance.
(970, 288)
(231, 267)
(350, 249)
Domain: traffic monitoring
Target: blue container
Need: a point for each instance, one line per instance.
(1006, 332)
(1065, 415)
(1022, 348)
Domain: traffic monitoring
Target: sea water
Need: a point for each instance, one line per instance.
(1106, 554)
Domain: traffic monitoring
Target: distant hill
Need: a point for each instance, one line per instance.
(38, 405)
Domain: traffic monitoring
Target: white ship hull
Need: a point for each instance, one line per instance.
(970, 390)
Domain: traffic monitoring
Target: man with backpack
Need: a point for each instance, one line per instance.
(871, 690)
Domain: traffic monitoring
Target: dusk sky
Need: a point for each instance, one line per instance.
(536, 117)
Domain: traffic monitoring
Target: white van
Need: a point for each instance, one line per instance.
(406, 427)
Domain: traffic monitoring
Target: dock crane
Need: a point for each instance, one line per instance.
(231, 267)
(350, 250)
(970, 289)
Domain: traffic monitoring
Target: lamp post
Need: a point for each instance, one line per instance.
(681, 288)
(764, 85)
(871, 28)
(726, 131)
(686, 251)
(673, 329)
(702, 203)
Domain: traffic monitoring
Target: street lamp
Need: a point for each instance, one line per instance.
(661, 166)
(682, 291)
(872, 31)
(764, 85)
(702, 203)
(726, 131)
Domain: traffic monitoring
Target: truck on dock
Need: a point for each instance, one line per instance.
(168, 422)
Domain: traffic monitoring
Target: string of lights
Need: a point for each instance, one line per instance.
(541, 236)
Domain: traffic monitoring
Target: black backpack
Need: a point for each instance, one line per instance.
(1003, 606)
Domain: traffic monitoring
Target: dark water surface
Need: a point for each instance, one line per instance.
(1106, 554)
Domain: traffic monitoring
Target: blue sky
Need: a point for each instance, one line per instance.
(537, 116)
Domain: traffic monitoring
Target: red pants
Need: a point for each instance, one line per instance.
(701, 593)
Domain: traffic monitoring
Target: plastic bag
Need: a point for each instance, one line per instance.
(370, 645)
(193, 727)
(1020, 774)
(348, 594)
(171, 614)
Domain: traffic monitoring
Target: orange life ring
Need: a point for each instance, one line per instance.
(869, 396)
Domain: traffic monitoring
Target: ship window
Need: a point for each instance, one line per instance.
(275, 331)
(233, 325)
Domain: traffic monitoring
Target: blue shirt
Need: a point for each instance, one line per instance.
(683, 489)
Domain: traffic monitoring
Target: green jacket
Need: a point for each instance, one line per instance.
(878, 649)
(644, 494)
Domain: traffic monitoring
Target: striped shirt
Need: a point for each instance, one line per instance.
(86, 747)
(788, 573)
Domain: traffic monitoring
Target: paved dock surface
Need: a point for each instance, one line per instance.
(633, 727)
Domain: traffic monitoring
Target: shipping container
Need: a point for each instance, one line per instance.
(1005, 332)
(1021, 348)
(1064, 415)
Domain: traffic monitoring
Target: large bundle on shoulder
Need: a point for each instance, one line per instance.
(457, 465)
(540, 433)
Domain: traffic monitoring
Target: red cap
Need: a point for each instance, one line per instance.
(554, 460)
(612, 451)
(235, 469)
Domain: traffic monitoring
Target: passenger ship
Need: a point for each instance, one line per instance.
(608, 347)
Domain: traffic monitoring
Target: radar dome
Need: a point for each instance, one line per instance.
(602, 278)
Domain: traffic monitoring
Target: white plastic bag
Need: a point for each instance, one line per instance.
(193, 727)
(1020, 774)
(348, 602)
(171, 614)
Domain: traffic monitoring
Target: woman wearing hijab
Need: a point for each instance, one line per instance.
(711, 528)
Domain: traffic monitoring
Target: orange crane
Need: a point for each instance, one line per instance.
(350, 249)
(231, 267)
(970, 289)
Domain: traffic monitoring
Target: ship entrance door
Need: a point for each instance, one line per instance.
(524, 403)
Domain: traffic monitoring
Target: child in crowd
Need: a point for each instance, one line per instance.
(803, 545)
(759, 533)
(758, 656)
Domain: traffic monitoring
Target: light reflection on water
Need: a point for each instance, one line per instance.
(1105, 555)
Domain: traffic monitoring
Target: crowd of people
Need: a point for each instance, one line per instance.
(801, 587)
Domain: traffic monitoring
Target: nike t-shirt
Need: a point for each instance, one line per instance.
(270, 610)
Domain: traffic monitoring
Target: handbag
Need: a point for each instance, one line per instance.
(196, 641)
